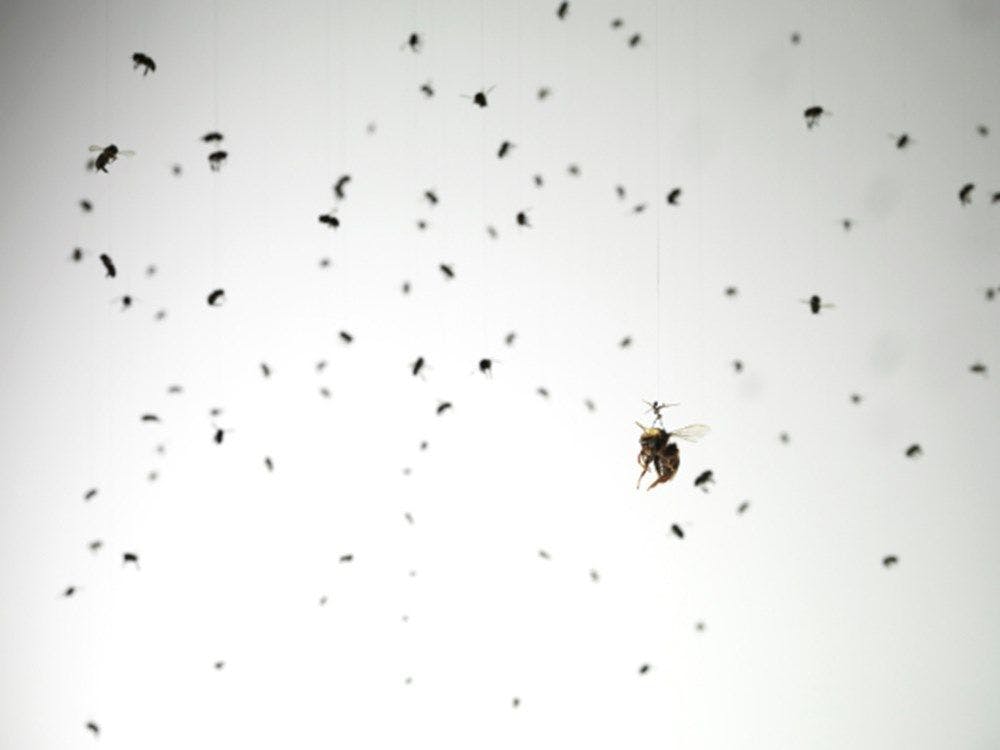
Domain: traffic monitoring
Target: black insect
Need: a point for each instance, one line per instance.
(731, 291)
(674, 197)
(544, 93)
(677, 531)
(847, 224)
(795, 37)
(638, 208)
(329, 219)
(738, 365)
(594, 576)
(979, 368)
(704, 479)
(982, 130)
(427, 89)
(573, 170)
(816, 304)
(742, 507)
(130, 557)
(448, 271)
(216, 297)
(538, 180)
(107, 155)
(617, 23)
(443, 406)
(218, 435)
(339, 185)
(562, 10)
(504, 149)
(542, 391)
(414, 42)
(144, 61)
(431, 197)
(544, 555)
(510, 338)
(109, 266)
(77, 255)
(219, 664)
(69, 591)
(914, 451)
(902, 140)
(176, 170)
(346, 337)
(479, 98)
(95, 546)
(92, 726)
(86, 206)
(486, 367)
(405, 288)
(214, 137)
(889, 560)
(812, 115)
(149, 418)
(126, 300)
(965, 194)
(216, 159)
(522, 219)
(492, 232)
(634, 40)
(268, 463)
(856, 398)
(643, 669)
(591, 406)
(346, 558)
(626, 342)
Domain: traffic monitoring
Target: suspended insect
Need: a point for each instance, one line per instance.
(731, 291)
(339, 185)
(109, 266)
(504, 149)
(914, 451)
(431, 197)
(448, 271)
(215, 297)
(816, 303)
(144, 61)
(573, 170)
(107, 155)
(486, 367)
(213, 137)
(902, 140)
(130, 557)
(216, 160)
(965, 194)
(543, 93)
(704, 479)
(617, 23)
(657, 450)
(979, 368)
(796, 37)
(479, 98)
(562, 10)
(329, 219)
(538, 180)
(346, 337)
(656, 407)
(847, 224)
(674, 197)
(443, 406)
(812, 115)
(77, 255)
(889, 560)
(522, 219)
(86, 206)
(413, 41)
(633, 41)
(427, 89)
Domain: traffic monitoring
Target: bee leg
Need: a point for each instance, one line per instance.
(645, 469)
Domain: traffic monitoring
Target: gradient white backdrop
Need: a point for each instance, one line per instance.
(808, 640)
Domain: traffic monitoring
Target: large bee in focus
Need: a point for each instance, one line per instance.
(657, 450)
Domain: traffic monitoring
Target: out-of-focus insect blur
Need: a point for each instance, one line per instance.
(658, 450)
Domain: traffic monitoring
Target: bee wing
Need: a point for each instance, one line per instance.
(127, 153)
(691, 433)
(96, 148)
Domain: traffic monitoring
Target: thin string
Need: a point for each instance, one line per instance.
(659, 188)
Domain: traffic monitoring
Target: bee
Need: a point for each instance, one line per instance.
(107, 155)
(664, 456)
(812, 115)
(144, 61)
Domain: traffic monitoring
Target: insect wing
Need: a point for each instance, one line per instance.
(96, 148)
(692, 433)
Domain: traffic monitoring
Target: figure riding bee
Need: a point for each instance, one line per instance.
(658, 450)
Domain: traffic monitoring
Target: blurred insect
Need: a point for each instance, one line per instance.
(325, 262)
(785, 438)
(522, 219)
(657, 450)
(329, 219)
(995, 198)
(638, 208)
(979, 368)
(69, 591)
(990, 294)
(219, 434)
(544, 555)
(562, 10)
(510, 338)
(77, 255)
(268, 463)
(889, 560)
(699, 626)
(346, 558)
(812, 115)
(339, 185)
(421, 225)
(86, 206)
(634, 40)
(215, 297)
(448, 271)
(617, 23)
(176, 170)
(405, 288)
(856, 398)
(151, 270)
(130, 557)
(431, 197)
(109, 266)
(591, 406)
(677, 531)
(492, 232)
(479, 98)
(486, 367)
(620, 192)
(674, 197)
(796, 37)
(704, 479)
(219, 664)
(413, 41)
(643, 669)
(538, 180)
(160, 315)
(126, 301)
(149, 418)
(504, 149)
(90, 494)
(731, 291)
(442, 407)
(265, 369)
(982, 130)
(324, 392)
(216, 159)
(95, 546)
(742, 507)
(370, 128)
(626, 342)
(594, 576)
(92, 726)
(914, 451)
(965, 194)
(542, 391)
(346, 337)
(816, 303)
(902, 140)
(409, 517)
(847, 224)
(515, 702)
(573, 170)
(107, 155)
(175, 389)
(427, 89)
(738, 365)
(144, 61)
(544, 93)
(213, 137)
